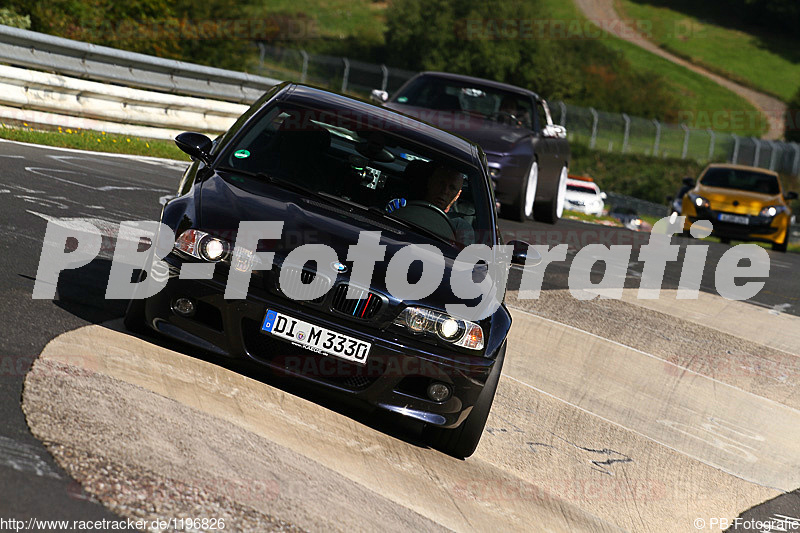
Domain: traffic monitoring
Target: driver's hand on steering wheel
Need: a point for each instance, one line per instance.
(395, 204)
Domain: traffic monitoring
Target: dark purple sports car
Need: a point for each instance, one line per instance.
(528, 155)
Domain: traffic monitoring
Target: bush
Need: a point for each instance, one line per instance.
(792, 131)
(646, 177)
(180, 29)
(10, 17)
(458, 37)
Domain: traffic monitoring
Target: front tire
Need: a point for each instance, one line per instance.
(462, 441)
(782, 246)
(135, 320)
(134, 317)
(552, 211)
(522, 208)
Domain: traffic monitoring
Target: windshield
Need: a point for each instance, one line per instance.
(451, 95)
(377, 170)
(744, 180)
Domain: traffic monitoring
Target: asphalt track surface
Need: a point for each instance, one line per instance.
(594, 411)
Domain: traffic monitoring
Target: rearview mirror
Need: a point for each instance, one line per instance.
(196, 145)
(523, 255)
(554, 131)
(378, 96)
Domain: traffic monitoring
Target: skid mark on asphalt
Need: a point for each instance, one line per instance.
(726, 427)
(125, 184)
(116, 164)
(509, 428)
(613, 457)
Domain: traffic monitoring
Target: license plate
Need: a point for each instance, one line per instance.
(736, 219)
(315, 338)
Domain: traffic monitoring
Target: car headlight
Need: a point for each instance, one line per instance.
(772, 210)
(201, 245)
(459, 332)
(699, 201)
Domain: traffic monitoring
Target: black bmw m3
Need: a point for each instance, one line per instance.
(343, 244)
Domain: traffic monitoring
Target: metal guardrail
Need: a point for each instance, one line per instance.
(611, 132)
(83, 60)
(643, 207)
(55, 99)
(600, 130)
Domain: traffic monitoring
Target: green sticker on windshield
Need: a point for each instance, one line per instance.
(402, 100)
(241, 154)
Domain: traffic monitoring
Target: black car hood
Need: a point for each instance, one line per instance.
(491, 136)
(307, 220)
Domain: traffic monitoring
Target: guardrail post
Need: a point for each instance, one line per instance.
(262, 51)
(712, 139)
(563, 107)
(757, 155)
(626, 136)
(305, 66)
(736, 144)
(658, 137)
(595, 120)
(685, 151)
(385, 80)
(796, 165)
(346, 74)
(773, 157)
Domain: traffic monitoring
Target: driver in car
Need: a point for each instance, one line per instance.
(510, 112)
(442, 189)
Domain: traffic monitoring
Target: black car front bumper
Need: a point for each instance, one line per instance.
(395, 377)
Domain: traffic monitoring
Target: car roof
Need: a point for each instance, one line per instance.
(479, 81)
(741, 167)
(389, 120)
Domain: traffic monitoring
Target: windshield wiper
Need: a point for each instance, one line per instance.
(274, 180)
(415, 227)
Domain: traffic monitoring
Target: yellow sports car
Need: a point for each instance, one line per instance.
(743, 203)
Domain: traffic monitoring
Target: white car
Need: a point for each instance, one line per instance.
(584, 196)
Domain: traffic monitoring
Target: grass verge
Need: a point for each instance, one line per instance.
(93, 140)
(766, 61)
(703, 100)
(594, 219)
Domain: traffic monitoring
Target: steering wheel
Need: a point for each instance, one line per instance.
(429, 216)
(506, 117)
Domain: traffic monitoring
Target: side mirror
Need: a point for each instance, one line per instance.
(604, 196)
(554, 131)
(378, 96)
(523, 255)
(196, 145)
(790, 195)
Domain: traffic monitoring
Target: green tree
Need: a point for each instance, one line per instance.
(10, 17)
(498, 39)
(202, 32)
